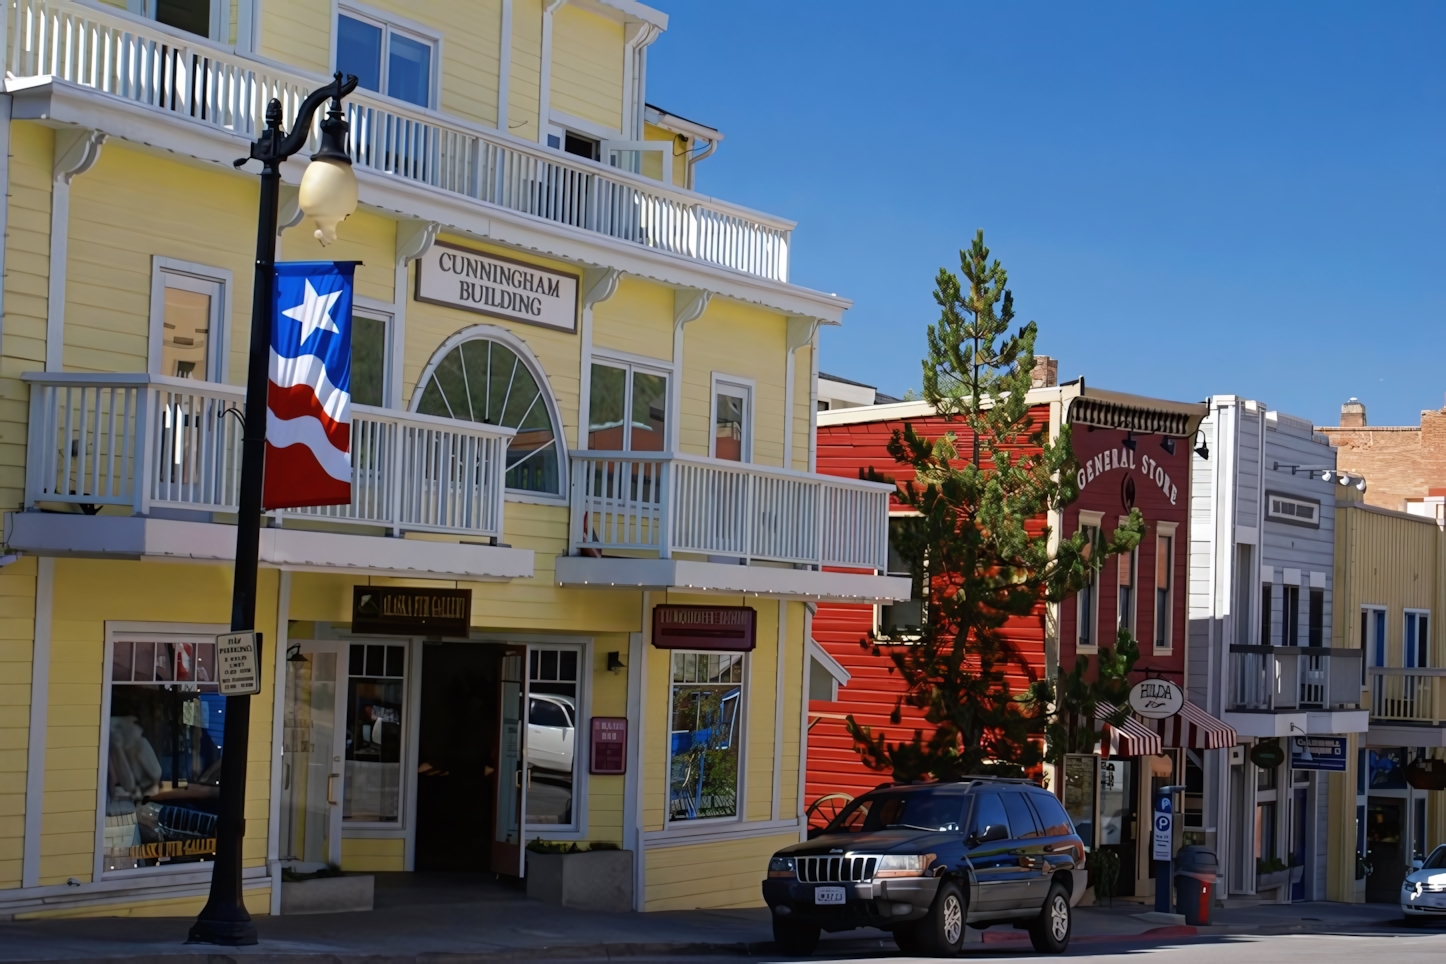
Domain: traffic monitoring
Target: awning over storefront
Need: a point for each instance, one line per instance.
(1130, 738)
(1194, 729)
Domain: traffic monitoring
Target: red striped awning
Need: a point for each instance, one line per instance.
(1130, 738)
(1194, 729)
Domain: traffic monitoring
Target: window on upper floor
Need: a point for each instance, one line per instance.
(1267, 613)
(627, 408)
(205, 18)
(1290, 615)
(1416, 638)
(1087, 599)
(1373, 634)
(1164, 590)
(732, 420)
(904, 620)
(485, 374)
(189, 310)
(1317, 618)
(399, 61)
(369, 351)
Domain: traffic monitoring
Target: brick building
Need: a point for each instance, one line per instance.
(1402, 464)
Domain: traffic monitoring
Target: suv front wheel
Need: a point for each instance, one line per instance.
(941, 933)
(1049, 933)
(795, 937)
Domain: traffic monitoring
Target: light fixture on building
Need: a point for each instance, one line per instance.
(1129, 441)
(1168, 444)
(1203, 449)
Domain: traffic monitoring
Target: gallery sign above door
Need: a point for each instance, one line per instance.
(407, 611)
(732, 629)
(491, 285)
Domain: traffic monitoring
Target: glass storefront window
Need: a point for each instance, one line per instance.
(707, 689)
(552, 680)
(162, 767)
(374, 738)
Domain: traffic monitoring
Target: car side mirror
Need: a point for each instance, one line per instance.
(1417, 864)
(991, 833)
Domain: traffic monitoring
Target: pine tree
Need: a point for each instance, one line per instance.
(977, 547)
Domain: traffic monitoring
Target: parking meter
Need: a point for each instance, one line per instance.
(1162, 843)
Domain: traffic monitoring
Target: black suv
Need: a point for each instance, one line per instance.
(923, 860)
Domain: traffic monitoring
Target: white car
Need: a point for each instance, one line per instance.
(1423, 895)
(551, 728)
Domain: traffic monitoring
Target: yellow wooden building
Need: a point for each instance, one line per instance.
(583, 395)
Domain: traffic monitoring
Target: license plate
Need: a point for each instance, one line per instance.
(828, 895)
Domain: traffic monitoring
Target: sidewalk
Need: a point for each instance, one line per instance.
(475, 918)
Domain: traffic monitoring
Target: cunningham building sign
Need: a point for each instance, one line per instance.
(491, 285)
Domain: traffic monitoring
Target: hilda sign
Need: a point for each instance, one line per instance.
(1156, 699)
(493, 285)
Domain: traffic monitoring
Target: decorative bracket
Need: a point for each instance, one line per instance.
(599, 284)
(76, 151)
(689, 305)
(290, 214)
(414, 239)
(800, 332)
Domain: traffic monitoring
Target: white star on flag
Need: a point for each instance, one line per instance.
(314, 313)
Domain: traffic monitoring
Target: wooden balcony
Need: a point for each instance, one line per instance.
(1294, 678)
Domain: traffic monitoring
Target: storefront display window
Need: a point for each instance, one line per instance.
(552, 681)
(374, 737)
(707, 689)
(163, 760)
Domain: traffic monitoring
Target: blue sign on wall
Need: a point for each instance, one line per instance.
(1318, 753)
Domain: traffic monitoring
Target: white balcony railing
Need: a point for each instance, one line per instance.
(148, 441)
(206, 84)
(1269, 678)
(668, 503)
(1412, 694)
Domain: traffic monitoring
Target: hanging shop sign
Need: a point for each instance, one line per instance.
(609, 744)
(238, 664)
(1319, 753)
(1156, 699)
(407, 611)
(1426, 774)
(490, 285)
(1267, 756)
(730, 629)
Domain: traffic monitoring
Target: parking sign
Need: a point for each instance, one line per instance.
(1164, 837)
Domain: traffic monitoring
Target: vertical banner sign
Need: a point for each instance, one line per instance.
(1164, 829)
(308, 403)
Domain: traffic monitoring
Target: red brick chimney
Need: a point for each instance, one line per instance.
(1353, 414)
(1045, 373)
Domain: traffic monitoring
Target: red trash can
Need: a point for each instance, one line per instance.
(1196, 869)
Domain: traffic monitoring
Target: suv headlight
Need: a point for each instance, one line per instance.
(904, 865)
(782, 867)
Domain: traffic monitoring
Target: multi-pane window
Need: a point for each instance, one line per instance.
(1373, 634)
(1416, 639)
(1290, 615)
(385, 58)
(704, 737)
(627, 409)
(162, 768)
(552, 681)
(374, 701)
(1164, 590)
(1086, 600)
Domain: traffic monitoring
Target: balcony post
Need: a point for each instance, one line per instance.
(665, 509)
(141, 450)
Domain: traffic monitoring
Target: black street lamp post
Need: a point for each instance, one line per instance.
(224, 919)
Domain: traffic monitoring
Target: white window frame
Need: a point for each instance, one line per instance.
(1094, 520)
(385, 313)
(581, 740)
(146, 632)
(219, 338)
(720, 384)
(404, 827)
(630, 364)
(1165, 530)
(740, 735)
(219, 19)
(1407, 644)
(1368, 645)
(390, 23)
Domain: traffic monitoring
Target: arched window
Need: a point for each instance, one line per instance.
(485, 374)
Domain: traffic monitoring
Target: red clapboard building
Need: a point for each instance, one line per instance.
(1133, 452)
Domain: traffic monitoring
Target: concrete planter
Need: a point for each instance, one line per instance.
(593, 880)
(1272, 880)
(327, 895)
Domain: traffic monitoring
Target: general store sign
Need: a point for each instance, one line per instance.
(731, 629)
(238, 664)
(406, 611)
(491, 285)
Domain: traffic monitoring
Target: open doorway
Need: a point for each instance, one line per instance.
(457, 756)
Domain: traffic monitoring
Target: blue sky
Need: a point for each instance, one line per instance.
(1190, 198)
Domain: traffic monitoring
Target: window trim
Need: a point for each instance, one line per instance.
(630, 364)
(388, 22)
(1407, 657)
(741, 735)
(1095, 520)
(544, 385)
(1166, 530)
(195, 632)
(750, 387)
(221, 338)
(1297, 499)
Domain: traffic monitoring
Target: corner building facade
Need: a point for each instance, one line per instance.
(616, 429)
